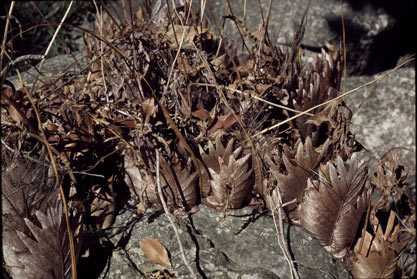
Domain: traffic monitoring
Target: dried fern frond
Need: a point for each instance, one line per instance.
(210, 160)
(231, 177)
(179, 185)
(333, 205)
(44, 251)
(380, 252)
(35, 241)
(299, 168)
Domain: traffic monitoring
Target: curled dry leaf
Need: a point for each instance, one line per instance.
(379, 254)
(179, 186)
(155, 252)
(103, 206)
(389, 180)
(292, 185)
(43, 251)
(333, 206)
(231, 184)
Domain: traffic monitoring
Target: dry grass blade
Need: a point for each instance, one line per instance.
(3, 43)
(177, 235)
(282, 243)
(64, 200)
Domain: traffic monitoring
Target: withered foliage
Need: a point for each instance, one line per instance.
(35, 241)
(333, 205)
(168, 82)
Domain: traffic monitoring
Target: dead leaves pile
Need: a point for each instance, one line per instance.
(167, 83)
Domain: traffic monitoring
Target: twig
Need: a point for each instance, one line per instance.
(280, 235)
(3, 43)
(164, 205)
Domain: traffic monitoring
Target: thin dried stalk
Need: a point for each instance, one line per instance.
(61, 189)
(280, 235)
(164, 205)
(253, 96)
(6, 28)
(55, 34)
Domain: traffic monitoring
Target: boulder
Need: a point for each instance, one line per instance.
(387, 118)
(238, 244)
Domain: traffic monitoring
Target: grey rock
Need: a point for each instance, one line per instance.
(387, 118)
(53, 67)
(220, 246)
(367, 27)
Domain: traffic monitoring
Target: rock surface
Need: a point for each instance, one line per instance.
(368, 26)
(387, 118)
(241, 244)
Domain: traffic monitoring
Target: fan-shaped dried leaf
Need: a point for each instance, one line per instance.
(378, 256)
(210, 160)
(293, 184)
(232, 184)
(44, 251)
(333, 206)
(155, 252)
(179, 186)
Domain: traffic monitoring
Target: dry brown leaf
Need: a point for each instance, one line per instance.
(292, 185)
(333, 206)
(232, 184)
(179, 186)
(379, 254)
(103, 206)
(155, 252)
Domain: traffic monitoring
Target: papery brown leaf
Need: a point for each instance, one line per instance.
(232, 182)
(139, 183)
(35, 241)
(202, 114)
(148, 109)
(103, 206)
(333, 206)
(210, 160)
(179, 186)
(293, 184)
(379, 254)
(14, 114)
(155, 252)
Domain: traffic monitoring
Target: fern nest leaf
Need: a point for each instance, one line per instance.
(332, 207)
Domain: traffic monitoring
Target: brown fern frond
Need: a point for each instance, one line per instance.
(42, 251)
(380, 252)
(333, 205)
(231, 184)
(299, 168)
